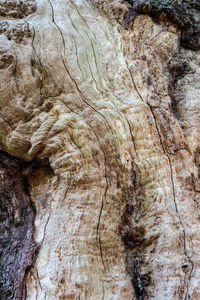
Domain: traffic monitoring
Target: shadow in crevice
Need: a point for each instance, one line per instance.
(17, 214)
(133, 236)
(177, 69)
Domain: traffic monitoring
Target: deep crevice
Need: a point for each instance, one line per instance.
(17, 214)
(18, 250)
(177, 69)
(132, 234)
(136, 279)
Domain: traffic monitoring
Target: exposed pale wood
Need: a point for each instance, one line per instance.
(107, 120)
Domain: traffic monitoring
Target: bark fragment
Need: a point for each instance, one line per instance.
(184, 14)
(17, 215)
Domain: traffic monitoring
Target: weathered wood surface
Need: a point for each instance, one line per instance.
(102, 113)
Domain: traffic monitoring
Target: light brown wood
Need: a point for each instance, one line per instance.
(116, 113)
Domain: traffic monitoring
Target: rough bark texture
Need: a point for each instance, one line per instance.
(16, 229)
(99, 112)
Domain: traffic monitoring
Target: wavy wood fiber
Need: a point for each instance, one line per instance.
(100, 150)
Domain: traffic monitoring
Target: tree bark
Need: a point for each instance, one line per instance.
(100, 150)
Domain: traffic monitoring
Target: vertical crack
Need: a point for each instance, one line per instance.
(69, 74)
(79, 13)
(94, 54)
(98, 235)
(77, 59)
(45, 227)
(41, 65)
(172, 183)
(53, 20)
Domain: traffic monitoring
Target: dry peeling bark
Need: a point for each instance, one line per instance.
(100, 141)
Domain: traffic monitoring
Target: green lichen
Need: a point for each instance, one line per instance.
(185, 14)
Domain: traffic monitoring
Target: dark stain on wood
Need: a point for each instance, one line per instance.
(17, 214)
(184, 14)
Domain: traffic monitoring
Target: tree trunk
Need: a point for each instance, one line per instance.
(99, 150)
